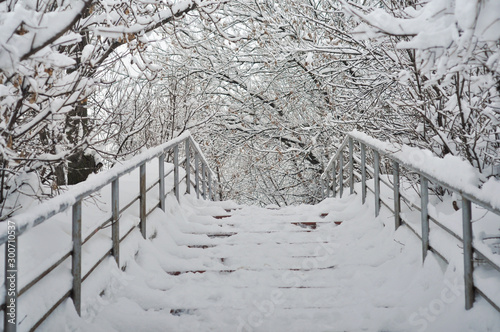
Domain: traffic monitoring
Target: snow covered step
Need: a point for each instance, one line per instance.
(292, 226)
(276, 237)
(246, 268)
(302, 229)
(222, 216)
(248, 279)
(278, 249)
(212, 235)
(199, 296)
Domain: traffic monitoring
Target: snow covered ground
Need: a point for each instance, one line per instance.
(273, 270)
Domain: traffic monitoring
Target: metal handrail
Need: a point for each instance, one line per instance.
(19, 224)
(329, 185)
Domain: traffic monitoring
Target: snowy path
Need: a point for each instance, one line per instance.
(292, 269)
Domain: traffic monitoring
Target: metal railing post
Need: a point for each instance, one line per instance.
(341, 173)
(161, 184)
(424, 198)
(334, 179)
(10, 278)
(197, 174)
(115, 226)
(468, 253)
(176, 172)
(397, 195)
(363, 173)
(76, 257)
(204, 180)
(351, 167)
(376, 179)
(188, 167)
(142, 200)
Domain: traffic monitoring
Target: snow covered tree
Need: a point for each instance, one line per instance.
(53, 55)
(446, 55)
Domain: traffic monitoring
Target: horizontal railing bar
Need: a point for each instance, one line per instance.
(337, 154)
(194, 144)
(431, 177)
(431, 248)
(128, 233)
(66, 256)
(96, 230)
(152, 185)
(44, 273)
(83, 189)
(490, 301)
(434, 250)
(169, 172)
(51, 310)
(62, 259)
(108, 253)
(418, 208)
(484, 257)
(152, 209)
(137, 198)
(433, 219)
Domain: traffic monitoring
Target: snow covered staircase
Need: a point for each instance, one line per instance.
(291, 269)
(145, 257)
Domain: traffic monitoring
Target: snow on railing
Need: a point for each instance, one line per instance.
(204, 184)
(449, 172)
